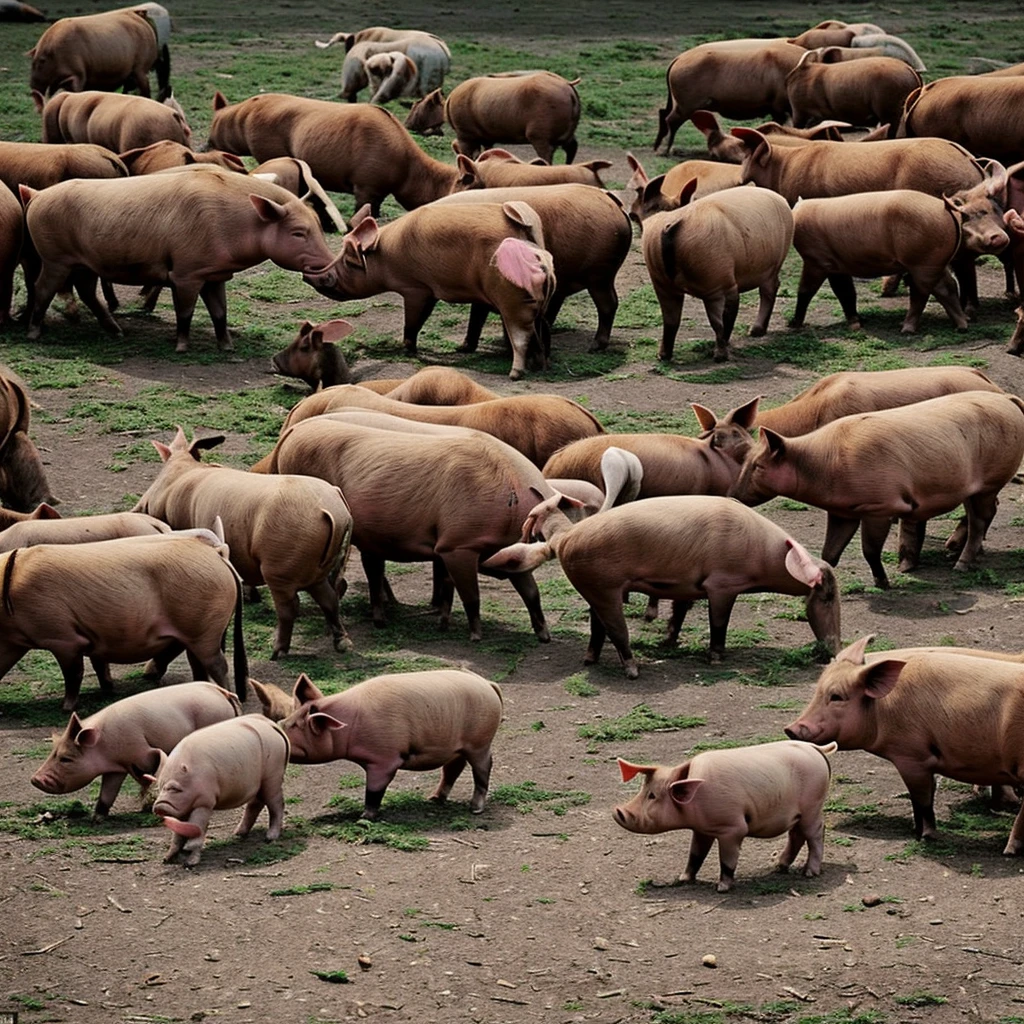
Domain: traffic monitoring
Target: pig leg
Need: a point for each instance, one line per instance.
(50, 279)
(814, 834)
(478, 313)
(327, 599)
(102, 670)
(252, 812)
(1015, 843)
(85, 282)
(597, 635)
(721, 312)
(873, 533)
(945, 291)
(185, 295)
(215, 666)
(607, 303)
(920, 785)
(956, 540)
(981, 510)
(109, 788)
(156, 667)
(845, 291)
(73, 667)
(109, 295)
(794, 844)
(481, 763)
(462, 567)
(967, 275)
(651, 611)
(214, 296)
(418, 306)
(520, 337)
(671, 313)
(286, 604)
(719, 612)
(449, 775)
(911, 541)
(728, 858)
(608, 608)
(811, 280)
(373, 566)
(193, 848)
(838, 534)
(378, 778)
(675, 622)
(767, 292)
(526, 588)
(1016, 346)
(700, 847)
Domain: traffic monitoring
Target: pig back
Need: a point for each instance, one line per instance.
(79, 530)
(39, 165)
(495, 107)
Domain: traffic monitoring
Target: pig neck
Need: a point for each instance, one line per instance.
(333, 369)
(427, 179)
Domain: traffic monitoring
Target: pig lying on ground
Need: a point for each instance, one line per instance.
(415, 721)
(497, 168)
(225, 765)
(929, 713)
(914, 462)
(9, 518)
(126, 737)
(112, 120)
(123, 601)
(682, 548)
(79, 530)
(727, 795)
(23, 483)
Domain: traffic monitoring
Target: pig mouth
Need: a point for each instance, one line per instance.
(798, 732)
(46, 784)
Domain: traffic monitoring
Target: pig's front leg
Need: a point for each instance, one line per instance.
(874, 530)
(109, 789)
(700, 847)
(1015, 844)
(378, 778)
(728, 858)
(838, 534)
(719, 612)
(193, 847)
(920, 783)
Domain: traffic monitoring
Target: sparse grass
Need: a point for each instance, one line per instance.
(526, 797)
(639, 720)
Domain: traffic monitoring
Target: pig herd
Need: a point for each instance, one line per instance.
(513, 481)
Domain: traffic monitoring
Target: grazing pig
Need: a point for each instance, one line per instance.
(12, 228)
(98, 51)
(192, 230)
(165, 154)
(12, 10)
(391, 75)
(725, 147)
(79, 530)
(112, 120)
(314, 357)
(123, 601)
(715, 248)
(415, 721)
(739, 78)
(126, 737)
(23, 483)
(357, 148)
(929, 712)
(489, 255)
(497, 168)
(221, 766)
(711, 177)
(682, 548)
(861, 92)
(288, 532)
(901, 231)
(535, 107)
(759, 791)
(914, 462)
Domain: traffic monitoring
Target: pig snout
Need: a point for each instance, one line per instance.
(47, 783)
(620, 816)
(799, 731)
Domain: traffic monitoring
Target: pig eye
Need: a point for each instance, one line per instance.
(835, 696)
(65, 760)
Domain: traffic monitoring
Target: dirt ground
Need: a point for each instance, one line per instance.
(534, 914)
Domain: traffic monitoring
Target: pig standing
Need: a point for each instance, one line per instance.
(23, 483)
(44, 529)
(914, 462)
(165, 154)
(12, 227)
(759, 791)
(415, 721)
(711, 177)
(683, 548)
(929, 713)
(126, 737)
(225, 765)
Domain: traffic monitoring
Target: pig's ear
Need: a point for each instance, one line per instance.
(320, 720)
(800, 565)
(629, 770)
(220, 101)
(639, 175)
(775, 443)
(757, 146)
(267, 209)
(45, 511)
(705, 417)
(652, 189)
(87, 737)
(305, 690)
(855, 652)
(745, 415)
(74, 727)
(162, 450)
(705, 122)
(203, 443)
(365, 233)
(684, 790)
(881, 676)
(687, 192)
(334, 330)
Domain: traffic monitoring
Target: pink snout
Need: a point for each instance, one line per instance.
(798, 731)
(47, 783)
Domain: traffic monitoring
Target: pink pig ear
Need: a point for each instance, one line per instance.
(320, 720)
(88, 737)
(630, 770)
(183, 828)
(800, 565)
(881, 676)
(855, 652)
(684, 790)
(334, 330)
(305, 690)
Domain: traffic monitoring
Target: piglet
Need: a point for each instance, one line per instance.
(126, 737)
(240, 761)
(412, 720)
(727, 795)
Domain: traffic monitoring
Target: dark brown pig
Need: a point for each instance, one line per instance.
(229, 764)
(126, 737)
(759, 791)
(497, 168)
(415, 721)
(914, 462)
(314, 357)
(112, 120)
(683, 548)
(288, 532)
(929, 713)
(23, 483)
(78, 530)
(11, 10)
(192, 229)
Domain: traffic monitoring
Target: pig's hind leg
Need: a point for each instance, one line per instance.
(606, 616)
(719, 612)
(215, 298)
(85, 282)
(874, 530)
(675, 622)
(449, 776)
(728, 858)
(981, 510)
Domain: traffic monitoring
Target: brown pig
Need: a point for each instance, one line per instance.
(12, 228)
(682, 548)
(78, 530)
(715, 248)
(900, 231)
(416, 721)
(192, 229)
(9, 518)
(710, 175)
(23, 483)
(113, 120)
(12, 10)
(126, 737)
(929, 713)
(288, 532)
(41, 165)
(314, 357)
(914, 462)
(725, 147)
(162, 155)
(297, 177)
(440, 385)
(497, 168)
(122, 601)
(759, 791)
(489, 255)
(221, 766)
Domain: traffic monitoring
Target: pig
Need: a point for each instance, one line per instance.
(440, 385)
(862, 92)
(126, 737)
(711, 249)
(929, 712)
(288, 532)
(914, 462)
(588, 234)
(391, 75)
(79, 530)
(189, 230)
(23, 483)
(535, 107)
(9, 518)
(40, 165)
(684, 548)
(12, 228)
(899, 231)
(122, 601)
(489, 255)
(314, 356)
(739, 78)
(11, 10)
(498, 168)
(98, 51)
(725, 147)
(359, 148)
(159, 156)
(297, 177)
(238, 761)
(817, 37)
(112, 120)
(535, 425)
(415, 721)
(710, 176)
(727, 795)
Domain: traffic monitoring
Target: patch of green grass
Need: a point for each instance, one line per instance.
(305, 890)
(921, 998)
(527, 796)
(335, 977)
(579, 686)
(639, 720)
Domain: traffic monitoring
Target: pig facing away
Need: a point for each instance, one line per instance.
(126, 738)
(759, 791)
(914, 462)
(682, 548)
(23, 483)
(225, 765)
(415, 721)
(930, 713)
(46, 529)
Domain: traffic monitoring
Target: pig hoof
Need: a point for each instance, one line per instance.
(720, 356)
(33, 334)
(632, 671)
(1013, 848)
(273, 834)
(758, 332)
(476, 810)
(715, 657)
(150, 672)
(962, 566)
(795, 324)
(515, 375)
(343, 644)
(476, 637)
(543, 636)
(908, 329)
(1013, 350)
(182, 346)
(69, 704)
(597, 347)
(590, 658)
(723, 886)
(882, 582)
(810, 872)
